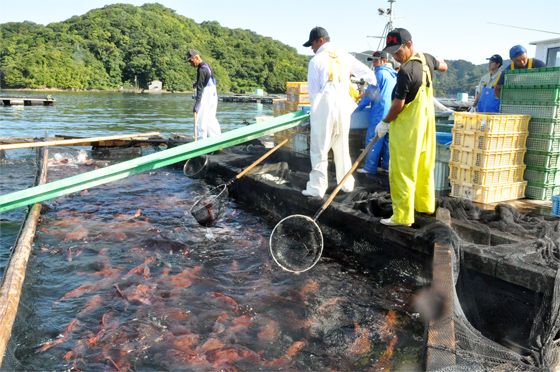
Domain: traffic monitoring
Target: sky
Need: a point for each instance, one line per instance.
(450, 29)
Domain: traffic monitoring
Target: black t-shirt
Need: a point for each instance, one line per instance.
(203, 75)
(409, 78)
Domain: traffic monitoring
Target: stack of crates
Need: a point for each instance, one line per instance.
(536, 92)
(297, 95)
(487, 150)
(279, 106)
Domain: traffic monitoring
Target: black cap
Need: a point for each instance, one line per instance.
(191, 53)
(496, 58)
(315, 34)
(377, 55)
(396, 39)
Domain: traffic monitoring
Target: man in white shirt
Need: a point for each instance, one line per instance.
(485, 100)
(328, 80)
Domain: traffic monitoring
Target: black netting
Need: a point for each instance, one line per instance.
(211, 207)
(196, 167)
(296, 244)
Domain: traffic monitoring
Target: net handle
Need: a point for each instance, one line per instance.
(339, 186)
(246, 170)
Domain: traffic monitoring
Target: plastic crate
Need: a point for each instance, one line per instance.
(485, 176)
(543, 175)
(485, 158)
(543, 111)
(555, 205)
(543, 143)
(489, 141)
(542, 159)
(441, 176)
(534, 95)
(546, 127)
(443, 153)
(296, 87)
(541, 191)
(298, 98)
(535, 76)
(491, 123)
(488, 194)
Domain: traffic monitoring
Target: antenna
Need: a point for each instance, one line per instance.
(524, 28)
(389, 15)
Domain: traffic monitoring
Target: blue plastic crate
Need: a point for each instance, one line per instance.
(555, 205)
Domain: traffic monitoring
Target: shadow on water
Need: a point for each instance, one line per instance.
(121, 277)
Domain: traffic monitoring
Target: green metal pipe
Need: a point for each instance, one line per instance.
(146, 163)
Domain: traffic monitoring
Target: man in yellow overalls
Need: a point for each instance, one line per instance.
(412, 131)
(519, 61)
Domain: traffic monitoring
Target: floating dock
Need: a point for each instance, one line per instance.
(249, 98)
(26, 101)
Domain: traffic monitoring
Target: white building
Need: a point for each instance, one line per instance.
(548, 51)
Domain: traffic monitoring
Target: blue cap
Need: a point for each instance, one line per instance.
(496, 58)
(516, 51)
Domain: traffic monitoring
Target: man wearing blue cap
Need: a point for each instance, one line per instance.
(519, 60)
(485, 100)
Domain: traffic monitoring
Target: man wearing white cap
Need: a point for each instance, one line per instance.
(328, 80)
(519, 60)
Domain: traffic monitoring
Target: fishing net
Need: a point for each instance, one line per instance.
(210, 208)
(196, 167)
(296, 243)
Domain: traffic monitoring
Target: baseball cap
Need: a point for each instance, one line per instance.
(316, 33)
(496, 58)
(395, 39)
(377, 55)
(191, 53)
(516, 51)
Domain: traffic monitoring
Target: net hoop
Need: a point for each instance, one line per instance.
(194, 167)
(278, 244)
(210, 207)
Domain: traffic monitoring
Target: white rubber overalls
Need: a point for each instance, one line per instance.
(207, 124)
(330, 126)
(412, 147)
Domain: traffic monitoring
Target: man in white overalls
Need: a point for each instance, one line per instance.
(328, 80)
(206, 103)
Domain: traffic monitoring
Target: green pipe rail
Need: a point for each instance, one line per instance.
(146, 163)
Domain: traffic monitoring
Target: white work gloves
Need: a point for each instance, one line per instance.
(381, 129)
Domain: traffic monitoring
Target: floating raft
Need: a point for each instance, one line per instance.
(248, 98)
(26, 101)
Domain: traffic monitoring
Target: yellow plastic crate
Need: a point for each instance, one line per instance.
(291, 106)
(487, 158)
(282, 135)
(491, 123)
(296, 87)
(485, 176)
(488, 194)
(489, 141)
(298, 98)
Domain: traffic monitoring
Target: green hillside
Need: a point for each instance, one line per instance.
(106, 48)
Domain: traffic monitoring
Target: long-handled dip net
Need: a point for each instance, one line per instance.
(210, 208)
(196, 167)
(296, 243)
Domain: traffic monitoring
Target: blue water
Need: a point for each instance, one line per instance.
(121, 276)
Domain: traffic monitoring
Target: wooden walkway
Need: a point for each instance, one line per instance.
(26, 101)
(249, 98)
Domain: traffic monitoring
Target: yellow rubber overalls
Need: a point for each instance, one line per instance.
(412, 149)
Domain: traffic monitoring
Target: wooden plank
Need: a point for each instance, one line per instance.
(73, 141)
(149, 162)
(14, 275)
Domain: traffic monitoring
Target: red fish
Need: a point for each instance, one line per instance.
(226, 299)
(361, 343)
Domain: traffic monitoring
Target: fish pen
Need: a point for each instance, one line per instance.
(122, 277)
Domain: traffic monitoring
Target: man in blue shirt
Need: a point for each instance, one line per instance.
(519, 60)
(380, 99)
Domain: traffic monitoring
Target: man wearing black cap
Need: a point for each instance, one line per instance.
(206, 104)
(519, 60)
(412, 131)
(328, 80)
(485, 100)
(380, 97)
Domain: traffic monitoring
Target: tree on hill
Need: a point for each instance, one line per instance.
(110, 47)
